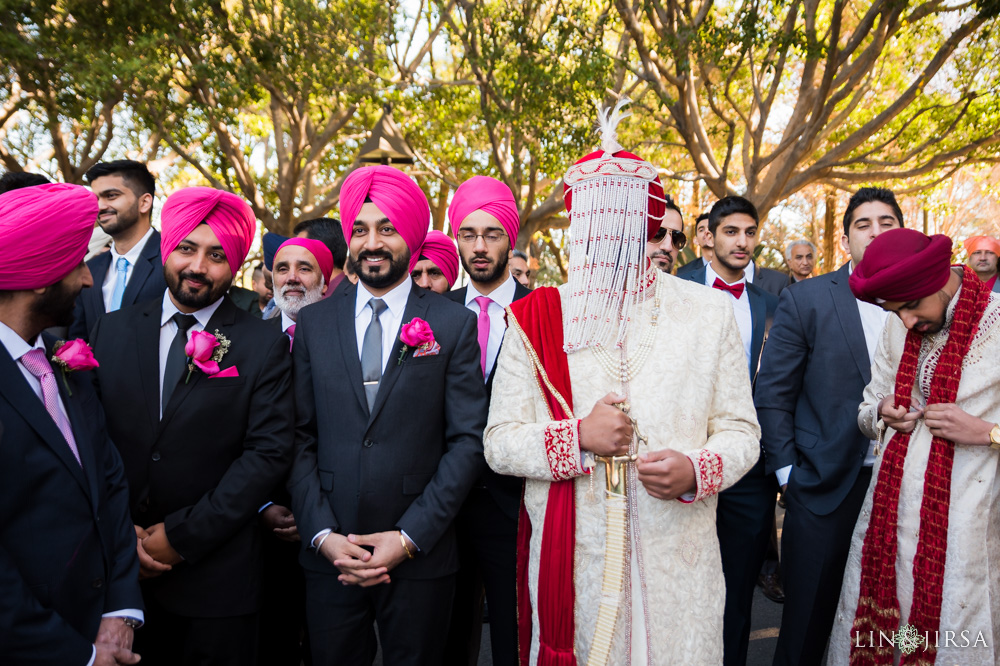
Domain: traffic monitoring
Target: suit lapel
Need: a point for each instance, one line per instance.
(758, 324)
(147, 358)
(143, 268)
(95, 294)
(415, 307)
(22, 398)
(344, 314)
(850, 321)
(80, 435)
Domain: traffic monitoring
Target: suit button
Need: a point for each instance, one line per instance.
(97, 583)
(368, 443)
(144, 506)
(156, 456)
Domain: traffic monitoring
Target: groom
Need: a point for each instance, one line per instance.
(388, 438)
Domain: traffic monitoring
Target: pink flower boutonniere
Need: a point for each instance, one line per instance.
(71, 356)
(204, 351)
(417, 335)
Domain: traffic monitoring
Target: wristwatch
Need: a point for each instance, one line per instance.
(131, 622)
(995, 437)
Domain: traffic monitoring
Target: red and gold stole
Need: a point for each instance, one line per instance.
(878, 606)
(538, 321)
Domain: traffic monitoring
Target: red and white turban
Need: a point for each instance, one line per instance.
(902, 265)
(490, 196)
(398, 197)
(440, 248)
(44, 233)
(229, 216)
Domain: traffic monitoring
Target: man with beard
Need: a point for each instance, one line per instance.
(302, 271)
(390, 411)
(484, 216)
(437, 268)
(983, 254)
(198, 400)
(668, 240)
(132, 271)
(69, 591)
(923, 555)
(746, 511)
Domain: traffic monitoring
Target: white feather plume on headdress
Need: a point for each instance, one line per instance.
(607, 125)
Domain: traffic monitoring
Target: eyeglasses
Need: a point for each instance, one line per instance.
(491, 237)
(677, 238)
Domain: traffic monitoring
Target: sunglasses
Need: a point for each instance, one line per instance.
(677, 238)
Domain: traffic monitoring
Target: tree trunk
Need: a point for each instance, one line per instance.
(830, 232)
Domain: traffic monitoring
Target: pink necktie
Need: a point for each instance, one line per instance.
(484, 328)
(36, 363)
(291, 336)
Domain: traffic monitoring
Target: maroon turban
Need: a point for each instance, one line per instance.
(488, 195)
(440, 248)
(44, 233)
(657, 207)
(902, 265)
(229, 216)
(398, 197)
(318, 249)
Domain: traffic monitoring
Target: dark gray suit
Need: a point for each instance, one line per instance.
(770, 280)
(813, 373)
(145, 283)
(408, 465)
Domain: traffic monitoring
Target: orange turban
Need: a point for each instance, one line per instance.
(976, 243)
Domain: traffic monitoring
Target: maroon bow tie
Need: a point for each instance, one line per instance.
(735, 289)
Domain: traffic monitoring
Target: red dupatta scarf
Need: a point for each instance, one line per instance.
(538, 321)
(878, 605)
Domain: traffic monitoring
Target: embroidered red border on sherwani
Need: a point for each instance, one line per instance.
(537, 319)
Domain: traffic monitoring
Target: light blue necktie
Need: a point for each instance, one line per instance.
(116, 296)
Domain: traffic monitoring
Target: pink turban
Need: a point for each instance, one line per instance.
(488, 195)
(318, 249)
(440, 248)
(976, 243)
(398, 197)
(44, 232)
(230, 218)
(902, 265)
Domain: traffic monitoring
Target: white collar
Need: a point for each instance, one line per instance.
(132, 255)
(502, 295)
(395, 300)
(711, 275)
(202, 316)
(286, 321)
(15, 344)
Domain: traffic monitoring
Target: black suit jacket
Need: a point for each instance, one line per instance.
(813, 373)
(762, 308)
(691, 266)
(407, 465)
(146, 282)
(209, 464)
(67, 547)
(506, 490)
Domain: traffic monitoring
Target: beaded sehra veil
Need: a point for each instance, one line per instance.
(611, 194)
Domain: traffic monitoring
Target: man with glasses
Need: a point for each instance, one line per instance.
(668, 240)
(486, 223)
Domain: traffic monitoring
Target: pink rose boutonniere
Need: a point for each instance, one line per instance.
(417, 335)
(71, 356)
(204, 351)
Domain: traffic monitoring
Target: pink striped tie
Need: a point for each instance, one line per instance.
(484, 328)
(291, 336)
(36, 363)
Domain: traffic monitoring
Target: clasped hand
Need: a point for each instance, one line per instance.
(155, 553)
(945, 420)
(357, 565)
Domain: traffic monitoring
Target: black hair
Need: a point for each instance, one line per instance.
(258, 268)
(328, 231)
(15, 180)
(868, 195)
(727, 206)
(671, 205)
(520, 255)
(135, 174)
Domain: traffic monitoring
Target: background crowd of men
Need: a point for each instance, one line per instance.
(272, 507)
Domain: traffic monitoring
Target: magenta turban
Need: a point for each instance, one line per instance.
(488, 195)
(230, 218)
(902, 265)
(398, 197)
(44, 233)
(440, 248)
(317, 249)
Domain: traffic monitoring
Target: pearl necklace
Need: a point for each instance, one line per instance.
(626, 369)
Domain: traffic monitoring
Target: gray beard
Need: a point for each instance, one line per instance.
(291, 306)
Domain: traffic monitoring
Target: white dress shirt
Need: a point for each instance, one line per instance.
(749, 272)
(741, 309)
(17, 347)
(111, 277)
(286, 322)
(502, 297)
(391, 318)
(168, 329)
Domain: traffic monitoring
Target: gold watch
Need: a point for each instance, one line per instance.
(995, 437)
